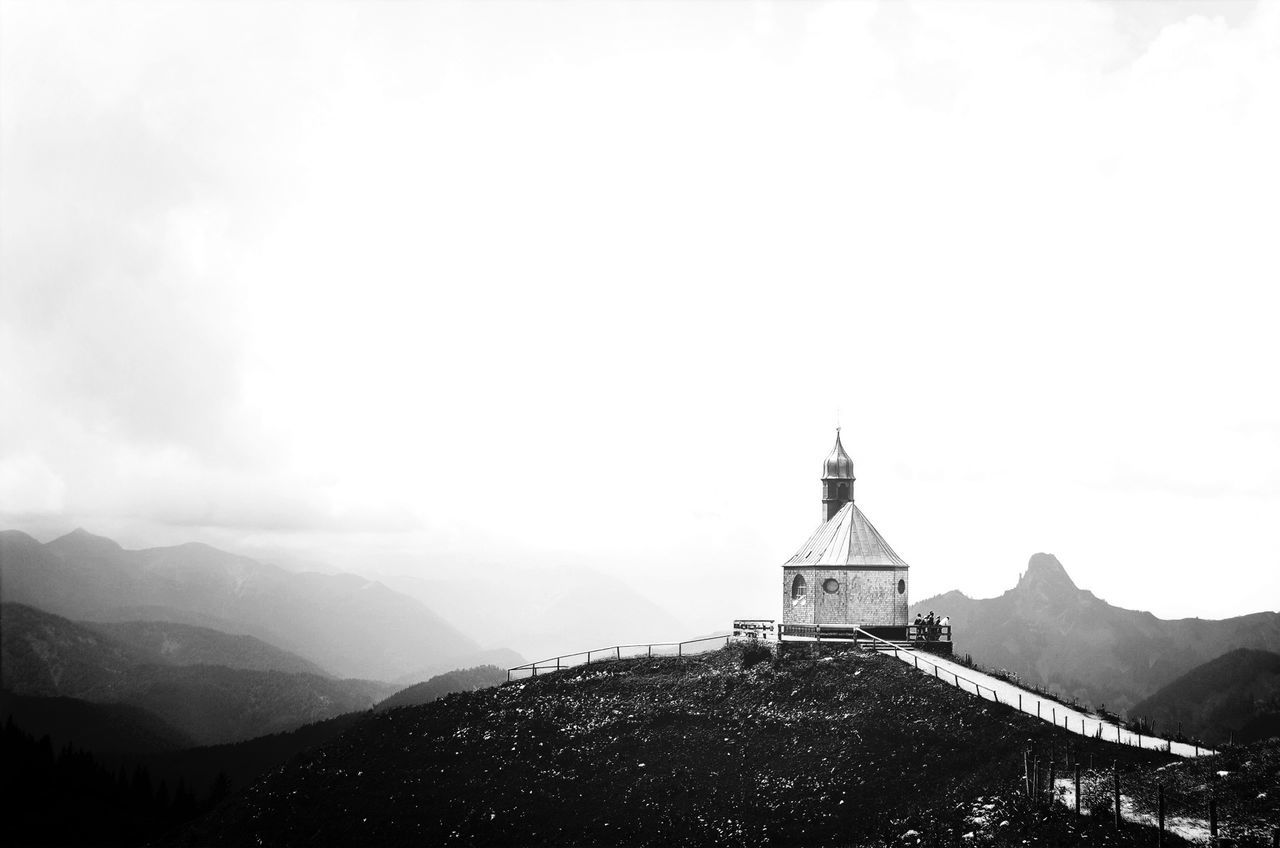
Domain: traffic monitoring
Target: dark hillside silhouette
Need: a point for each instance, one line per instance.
(101, 728)
(1053, 634)
(66, 796)
(1234, 697)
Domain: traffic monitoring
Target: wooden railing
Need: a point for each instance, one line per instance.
(819, 632)
(613, 652)
(928, 632)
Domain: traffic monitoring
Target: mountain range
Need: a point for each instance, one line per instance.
(48, 656)
(343, 624)
(1054, 634)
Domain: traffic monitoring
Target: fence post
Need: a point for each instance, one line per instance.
(1053, 766)
(680, 649)
(1115, 774)
(1160, 814)
(618, 648)
(1026, 775)
(1077, 787)
(1035, 780)
(1055, 716)
(1037, 709)
(651, 651)
(1019, 702)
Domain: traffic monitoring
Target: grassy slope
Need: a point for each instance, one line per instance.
(849, 749)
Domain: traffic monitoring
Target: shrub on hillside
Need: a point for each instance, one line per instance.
(755, 652)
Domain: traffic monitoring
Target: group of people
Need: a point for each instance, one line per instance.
(930, 628)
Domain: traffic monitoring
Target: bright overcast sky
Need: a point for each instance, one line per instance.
(437, 287)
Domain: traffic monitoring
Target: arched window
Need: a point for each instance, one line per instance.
(797, 587)
(844, 492)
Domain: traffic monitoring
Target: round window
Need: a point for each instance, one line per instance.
(831, 585)
(902, 586)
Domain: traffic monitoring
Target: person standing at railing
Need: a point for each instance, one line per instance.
(929, 627)
(919, 629)
(944, 625)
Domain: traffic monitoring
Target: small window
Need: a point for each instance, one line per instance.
(797, 587)
(831, 585)
(902, 587)
(844, 492)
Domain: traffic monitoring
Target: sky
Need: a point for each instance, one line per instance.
(445, 289)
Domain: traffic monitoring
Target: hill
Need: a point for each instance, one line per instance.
(1236, 696)
(185, 644)
(847, 749)
(1053, 634)
(46, 655)
(460, 680)
(321, 617)
(104, 728)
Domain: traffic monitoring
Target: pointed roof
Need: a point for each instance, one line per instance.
(847, 539)
(838, 465)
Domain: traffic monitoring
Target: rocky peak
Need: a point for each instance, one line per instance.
(1046, 576)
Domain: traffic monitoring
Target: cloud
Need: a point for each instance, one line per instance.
(388, 269)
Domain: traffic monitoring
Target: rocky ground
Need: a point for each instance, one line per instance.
(845, 749)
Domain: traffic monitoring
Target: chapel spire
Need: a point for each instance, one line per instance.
(837, 480)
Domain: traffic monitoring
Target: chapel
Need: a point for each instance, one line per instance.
(845, 575)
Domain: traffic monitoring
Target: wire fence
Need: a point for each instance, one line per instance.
(616, 652)
(1198, 808)
(1059, 714)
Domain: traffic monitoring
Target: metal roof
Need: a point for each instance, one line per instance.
(847, 539)
(838, 465)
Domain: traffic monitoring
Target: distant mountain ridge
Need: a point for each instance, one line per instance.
(1052, 633)
(47, 656)
(324, 618)
(186, 644)
(1233, 697)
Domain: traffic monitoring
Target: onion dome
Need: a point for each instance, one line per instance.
(838, 464)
